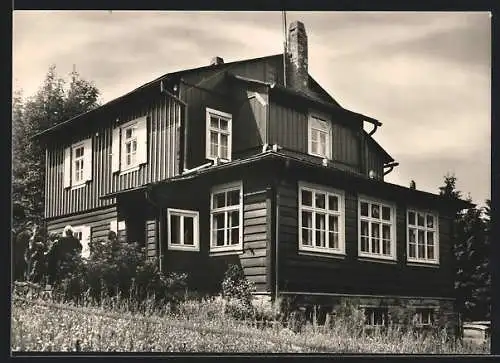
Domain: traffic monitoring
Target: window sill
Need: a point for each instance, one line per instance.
(321, 156)
(184, 248)
(390, 261)
(226, 252)
(335, 255)
(430, 264)
(129, 170)
(78, 186)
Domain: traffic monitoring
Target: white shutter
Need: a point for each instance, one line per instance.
(113, 226)
(67, 167)
(115, 151)
(87, 162)
(142, 140)
(85, 241)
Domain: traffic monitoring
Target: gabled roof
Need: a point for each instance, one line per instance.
(177, 75)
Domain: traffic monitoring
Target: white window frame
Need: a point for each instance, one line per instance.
(419, 317)
(425, 229)
(371, 310)
(321, 124)
(225, 188)
(123, 145)
(370, 220)
(327, 191)
(78, 234)
(81, 162)
(229, 118)
(182, 213)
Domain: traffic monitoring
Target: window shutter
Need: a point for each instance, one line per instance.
(67, 167)
(113, 226)
(142, 140)
(115, 150)
(87, 163)
(85, 241)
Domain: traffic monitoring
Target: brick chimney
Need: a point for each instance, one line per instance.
(216, 61)
(297, 74)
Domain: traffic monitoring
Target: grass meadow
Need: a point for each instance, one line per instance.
(201, 326)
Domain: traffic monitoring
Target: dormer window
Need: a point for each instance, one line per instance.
(218, 140)
(319, 137)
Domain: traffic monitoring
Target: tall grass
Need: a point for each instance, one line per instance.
(200, 326)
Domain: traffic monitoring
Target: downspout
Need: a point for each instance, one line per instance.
(375, 126)
(147, 194)
(185, 138)
(276, 237)
(391, 166)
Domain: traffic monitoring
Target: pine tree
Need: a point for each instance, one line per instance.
(471, 251)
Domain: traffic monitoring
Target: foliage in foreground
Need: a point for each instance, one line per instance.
(200, 327)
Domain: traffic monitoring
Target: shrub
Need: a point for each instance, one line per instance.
(237, 291)
(120, 271)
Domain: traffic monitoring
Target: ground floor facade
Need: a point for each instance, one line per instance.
(300, 232)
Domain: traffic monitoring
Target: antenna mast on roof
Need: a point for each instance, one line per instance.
(284, 48)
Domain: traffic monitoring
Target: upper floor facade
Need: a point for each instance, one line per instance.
(186, 119)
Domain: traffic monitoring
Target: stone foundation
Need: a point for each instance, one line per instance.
(400, 310)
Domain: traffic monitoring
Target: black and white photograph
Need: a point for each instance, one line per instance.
(251, 182)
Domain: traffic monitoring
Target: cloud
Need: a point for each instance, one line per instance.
(426, 76)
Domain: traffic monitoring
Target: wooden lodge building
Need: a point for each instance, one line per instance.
(231, 163)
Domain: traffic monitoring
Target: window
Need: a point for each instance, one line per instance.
(82, 233)
(423, 317)
(376, 229)
(321, 219)
(183, 230)
(119, 228)
(218, 138)
(78, 164)
(320, 137)
(376, 316)
(422, 237)
(226, 218)
(129, 145)
(78, 157)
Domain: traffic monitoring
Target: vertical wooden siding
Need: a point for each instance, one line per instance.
(288, 127)
(164, 116)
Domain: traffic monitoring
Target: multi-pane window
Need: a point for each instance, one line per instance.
(226, 219)
(423, 317)
(183, 230)
(321, 219)
(129, 146)
(319, 137)
(422, 236)
(78, 160)
(376, 316)
(376, 229)
(218, 135)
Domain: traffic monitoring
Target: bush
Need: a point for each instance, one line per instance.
(237, 291)
(120, 271)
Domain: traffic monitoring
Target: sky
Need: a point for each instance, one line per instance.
(425, 75)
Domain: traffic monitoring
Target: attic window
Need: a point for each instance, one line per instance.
(319, 137)
(218, 139)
